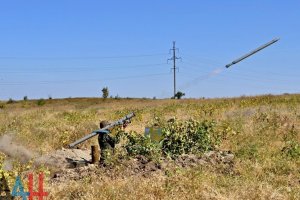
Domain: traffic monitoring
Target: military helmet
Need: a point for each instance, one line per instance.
(104, 123)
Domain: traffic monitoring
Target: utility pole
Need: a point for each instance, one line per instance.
(174, 58)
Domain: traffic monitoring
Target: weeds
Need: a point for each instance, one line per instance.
(292, 146)
(262, 132)
(137, 144)
(2, 105)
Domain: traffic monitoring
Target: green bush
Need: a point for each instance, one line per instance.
(41, 102)
(10, 101)
(137, 144)
(180, 137)
(189, 136)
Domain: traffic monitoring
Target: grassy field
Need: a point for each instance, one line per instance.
(263, 132)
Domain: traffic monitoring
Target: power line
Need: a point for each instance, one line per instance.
(271, 73)
(260, 75)
(204, 60)
(194, 67)
(254, 84)
(82, 80)
(81, 69)
(174, 58)
(79, 57)
(258, 79)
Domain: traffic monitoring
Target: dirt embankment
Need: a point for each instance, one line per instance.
(141, 166)
(75, 164)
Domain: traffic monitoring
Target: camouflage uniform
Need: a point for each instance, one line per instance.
(106, 143)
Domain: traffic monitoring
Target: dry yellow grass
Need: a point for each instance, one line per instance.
(257, 130)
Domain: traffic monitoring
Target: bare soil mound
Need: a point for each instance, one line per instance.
(65, 158)
(139, 165)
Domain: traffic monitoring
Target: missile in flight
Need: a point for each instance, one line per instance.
(252, 52)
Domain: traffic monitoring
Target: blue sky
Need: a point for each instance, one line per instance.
(64, 48)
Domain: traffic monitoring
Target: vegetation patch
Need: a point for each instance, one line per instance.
(179, 137)
(262, 132)
(40, 102)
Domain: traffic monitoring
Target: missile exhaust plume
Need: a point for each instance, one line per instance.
(196, 80)
(217, 71)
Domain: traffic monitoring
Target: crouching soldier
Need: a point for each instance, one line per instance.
(106, 143)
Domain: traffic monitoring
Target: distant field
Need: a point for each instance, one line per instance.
(263, 132)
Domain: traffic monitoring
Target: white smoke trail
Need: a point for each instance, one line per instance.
(203, 77)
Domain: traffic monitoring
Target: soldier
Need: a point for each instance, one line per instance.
(106, 143)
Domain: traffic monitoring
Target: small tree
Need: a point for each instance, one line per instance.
(105, 92)
(25, 98)
(10, 100)
(179, 94)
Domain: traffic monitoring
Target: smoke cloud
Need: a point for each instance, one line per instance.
(59, 158)
(13, 151)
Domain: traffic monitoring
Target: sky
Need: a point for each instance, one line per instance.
(67, 48)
